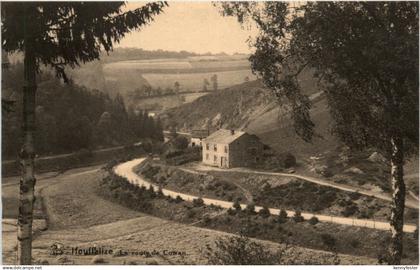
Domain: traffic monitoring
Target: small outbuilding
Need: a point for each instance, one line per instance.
(197, 137)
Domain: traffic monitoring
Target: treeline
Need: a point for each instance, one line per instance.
(70, 117)
(122, 54)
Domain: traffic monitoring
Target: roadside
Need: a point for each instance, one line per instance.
(78, 217)
(200, 167)
(126, 170)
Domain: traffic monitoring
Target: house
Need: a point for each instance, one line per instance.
(231, 148)
(197, 137)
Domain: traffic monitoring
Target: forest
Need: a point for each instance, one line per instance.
(91, 119)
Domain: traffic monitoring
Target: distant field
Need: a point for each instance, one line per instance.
(167, 102)
(189, 72)
(194, 81)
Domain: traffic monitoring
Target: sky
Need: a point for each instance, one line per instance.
(191, 26)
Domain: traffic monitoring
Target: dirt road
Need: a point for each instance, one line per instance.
(79, 218)
(126, 170)
(409, 202)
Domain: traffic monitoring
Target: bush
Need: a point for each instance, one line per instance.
(264, 212)
(231, 212)
(237, 205)
(180, 142)
(313, 220)
(240, 251)
(282, 217)
(298, 216)
(329, 241)
(289, 161)
(354, 243)
(191, 213)
(350, 210)
(198, 202)
(178, 199)
(250, 208)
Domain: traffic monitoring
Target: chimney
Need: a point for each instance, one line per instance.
(232, 132)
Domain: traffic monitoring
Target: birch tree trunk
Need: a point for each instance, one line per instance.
(398, 201)
(27, 155)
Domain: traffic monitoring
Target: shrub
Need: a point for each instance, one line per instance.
(191, 213)
(289, 160)
(250, 208)
(298, 216)
(237, 205)
(350, 210)
(329, 241)
(240, 251)
(313, 220)
(178, 199)
(354, 243)
(264, 212)
(198, 202)
(180, 142)
(231, 212)
(206, 220)
(282, 217)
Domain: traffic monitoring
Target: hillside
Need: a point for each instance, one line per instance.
(232, 107)
(252, 107)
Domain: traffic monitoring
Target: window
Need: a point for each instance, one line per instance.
(226, 149)
(207, 146)
(207, 156)
(215, 147)
(215, 158)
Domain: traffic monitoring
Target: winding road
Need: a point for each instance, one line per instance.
(126, 170)
(408, 203)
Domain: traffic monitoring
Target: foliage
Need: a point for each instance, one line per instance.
(240, 251)
(250, 208)
(236, 205)
(58, 29)
(180, 142)
(313, 220)
(264, 212)
(298, 216)
(289, 160)
(365, 55)
(92, 119)
(329, 241)
(198, 202)
(282, 217)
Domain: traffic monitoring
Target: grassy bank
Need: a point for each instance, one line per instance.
(308, 234)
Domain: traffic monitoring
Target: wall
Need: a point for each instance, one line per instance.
(240, 153)
(211, 153)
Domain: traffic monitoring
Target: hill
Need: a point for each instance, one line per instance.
(253, 108)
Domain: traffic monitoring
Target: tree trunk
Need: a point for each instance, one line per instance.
(398, 201)
(27, 155)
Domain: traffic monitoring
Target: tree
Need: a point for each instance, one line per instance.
(365, 55)
(177, 87)
(205, 85)
(214, 82)
(57, 34)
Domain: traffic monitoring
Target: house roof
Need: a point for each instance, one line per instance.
(224, 136)
(200, 133)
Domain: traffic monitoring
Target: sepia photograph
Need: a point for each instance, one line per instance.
(210, 133)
